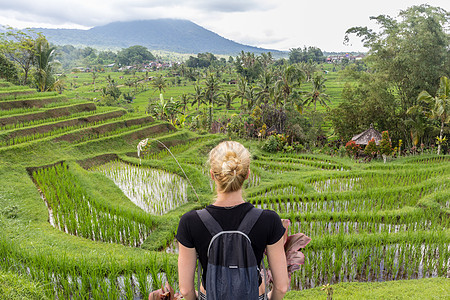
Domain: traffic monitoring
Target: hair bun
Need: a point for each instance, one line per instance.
(229, 163)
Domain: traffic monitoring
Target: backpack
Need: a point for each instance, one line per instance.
(233, 271)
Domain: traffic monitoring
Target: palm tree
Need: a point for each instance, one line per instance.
(228, 99)
(211, 92)
(250, 95)
(159, 83)
(289, 78)
(309, 68)
(241, 91)
(184, 99)
(440, 109)
(197, 96)
(317, 95)
(265, 87)
(44, 66)
(94, 76)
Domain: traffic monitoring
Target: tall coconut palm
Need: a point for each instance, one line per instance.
(265, 87)
(212, 90)
(198, 96)
(242, 86)
(440, 106)
(184, 100)
(317, 93)
(228, 98)
(159, 83)
(289, 78)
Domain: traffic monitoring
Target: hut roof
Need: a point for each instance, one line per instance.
(364, 137)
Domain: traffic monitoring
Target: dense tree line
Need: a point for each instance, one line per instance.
(408, 55)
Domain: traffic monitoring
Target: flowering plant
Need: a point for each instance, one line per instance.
(352, 148)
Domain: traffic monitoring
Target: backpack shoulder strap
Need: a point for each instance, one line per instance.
(249, 220)
(210, 223)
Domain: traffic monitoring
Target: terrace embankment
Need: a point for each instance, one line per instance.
(99, 160)
(28, 103)
(85, 121)
(98, 131)
(49, 113)
(7, 94)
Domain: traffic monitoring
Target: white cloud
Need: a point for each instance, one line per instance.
(281, 24)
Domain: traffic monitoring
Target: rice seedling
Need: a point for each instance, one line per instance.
(72, 211)
(155, 191)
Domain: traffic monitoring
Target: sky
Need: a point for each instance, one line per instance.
(271, 24)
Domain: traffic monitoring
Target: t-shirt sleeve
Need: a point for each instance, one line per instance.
(184, 235)
(278, 230)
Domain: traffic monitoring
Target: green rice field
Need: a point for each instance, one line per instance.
(83, 217)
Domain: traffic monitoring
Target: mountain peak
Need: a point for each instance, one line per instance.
(176, 35)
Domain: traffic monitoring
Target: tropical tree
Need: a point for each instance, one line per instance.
(8, 70)
(184, 100)
(317, 93)
(265, 87)
(439, 106)
(418, 123)
(241, 91)
(309, 68)
(248, 66)
(289, 78)
(44, 77)
(410, 52)
(198, 96)
(228, 98)
(159, 83)
(212, 88)
(134, 55)
(165, 110)
(19, 47)
(110, 93)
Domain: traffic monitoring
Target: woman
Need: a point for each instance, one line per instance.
(229, 162)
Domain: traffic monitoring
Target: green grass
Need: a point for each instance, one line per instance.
(410, 193)
(16, 287)
(428, 288)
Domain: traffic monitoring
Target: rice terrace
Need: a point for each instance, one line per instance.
(86, 213)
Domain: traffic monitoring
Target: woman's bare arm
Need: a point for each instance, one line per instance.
(187, 259)
(278, 267)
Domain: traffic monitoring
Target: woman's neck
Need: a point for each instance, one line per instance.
(229, 199)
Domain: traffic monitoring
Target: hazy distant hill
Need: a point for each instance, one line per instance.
(180, 36)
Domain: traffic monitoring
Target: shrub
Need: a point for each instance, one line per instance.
(371, 149)
(271, 144)
(352, 148)
(385, 145)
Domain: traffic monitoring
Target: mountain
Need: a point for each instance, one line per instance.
(174, 35)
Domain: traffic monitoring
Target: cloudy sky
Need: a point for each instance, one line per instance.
(273, 24)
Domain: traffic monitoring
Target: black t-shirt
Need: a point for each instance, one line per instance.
(192, 233)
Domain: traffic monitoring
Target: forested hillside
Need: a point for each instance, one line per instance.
(180, 36)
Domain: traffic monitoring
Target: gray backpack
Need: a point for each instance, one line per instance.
(233, 271)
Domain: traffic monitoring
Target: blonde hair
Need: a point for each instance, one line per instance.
(229, 162)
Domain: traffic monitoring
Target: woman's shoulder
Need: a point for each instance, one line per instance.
(270, 214)
(189, 216)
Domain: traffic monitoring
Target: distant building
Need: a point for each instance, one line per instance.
(364, 137)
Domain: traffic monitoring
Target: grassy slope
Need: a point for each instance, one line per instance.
(15, 287)
(32, 231)
(428, 288)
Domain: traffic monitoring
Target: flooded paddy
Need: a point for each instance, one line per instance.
(155, 191)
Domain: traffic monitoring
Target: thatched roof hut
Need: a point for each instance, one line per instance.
(364, 137)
